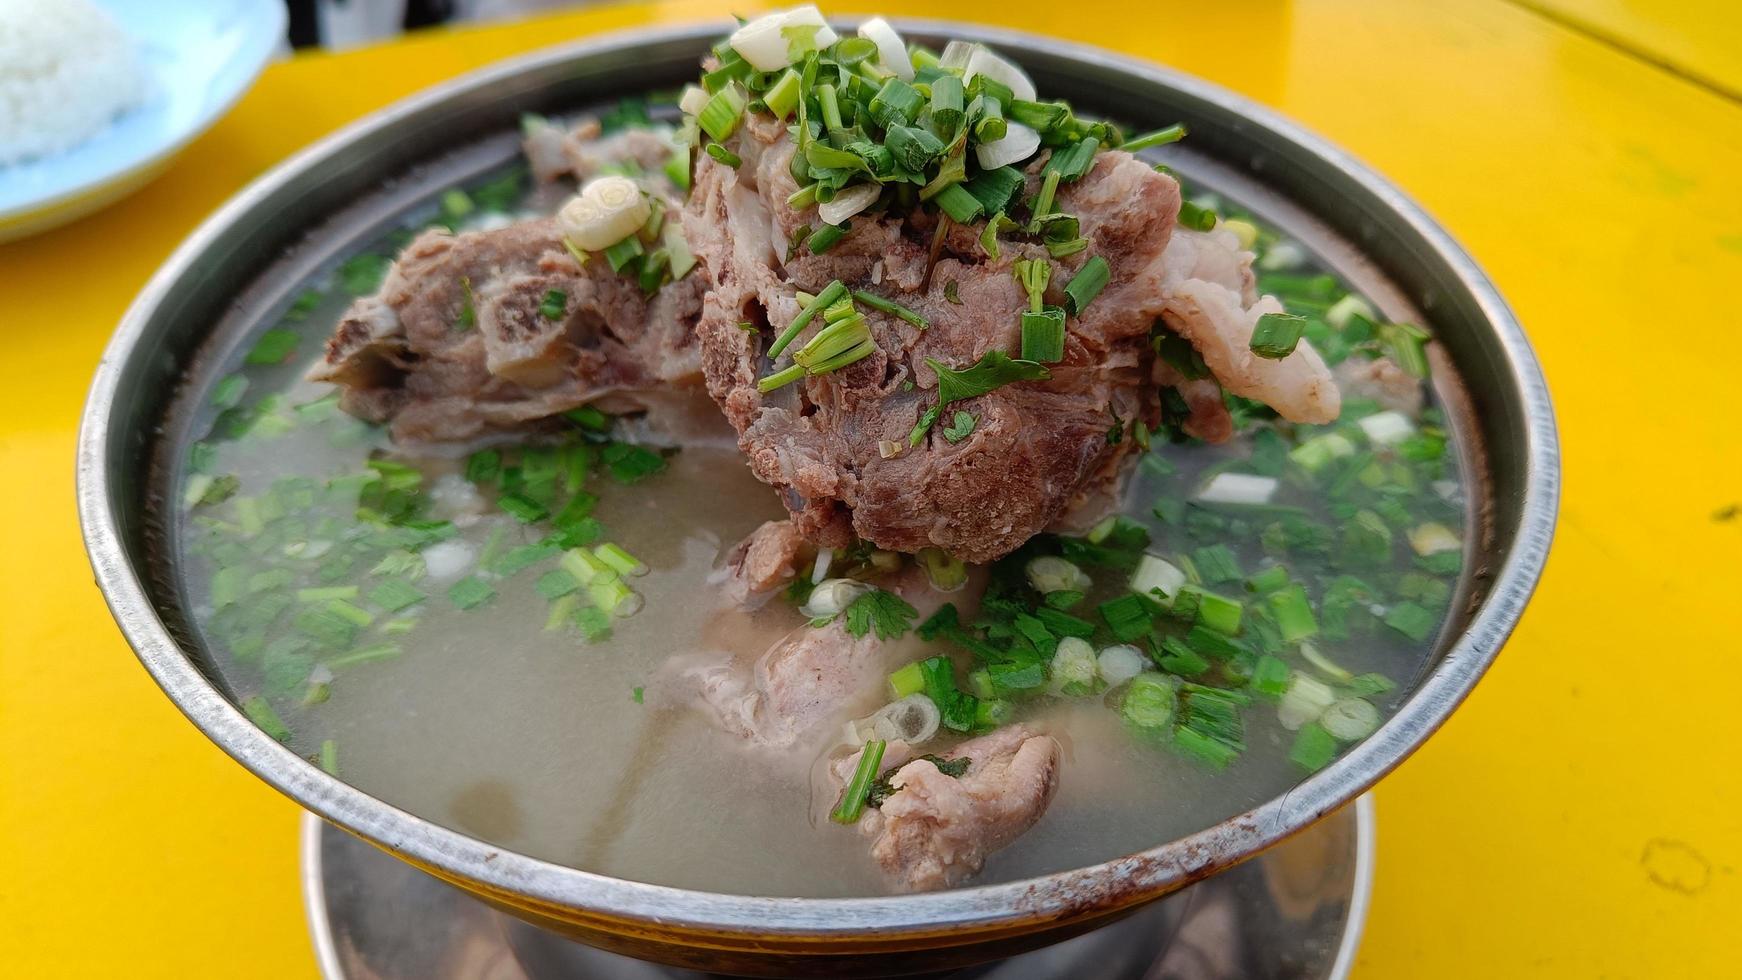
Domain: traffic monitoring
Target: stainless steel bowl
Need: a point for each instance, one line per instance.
(191, 319)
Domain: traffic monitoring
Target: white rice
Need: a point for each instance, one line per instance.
(66, 71)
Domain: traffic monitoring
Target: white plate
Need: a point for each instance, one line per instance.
(199, 57)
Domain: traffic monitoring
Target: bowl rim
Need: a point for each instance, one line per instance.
(1100, 888)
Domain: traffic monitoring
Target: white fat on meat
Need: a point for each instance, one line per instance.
(1209, 301)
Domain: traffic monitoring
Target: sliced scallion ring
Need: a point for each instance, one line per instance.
(606, 211)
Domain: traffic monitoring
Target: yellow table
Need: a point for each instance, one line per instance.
(1580, 817)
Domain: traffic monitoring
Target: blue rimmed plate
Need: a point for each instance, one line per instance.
(199, 57)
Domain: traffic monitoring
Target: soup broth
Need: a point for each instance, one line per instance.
(410, 618)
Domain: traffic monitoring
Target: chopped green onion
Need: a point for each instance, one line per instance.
(561, 609)
(620, 255)
(946, 104)
(616, 558)
(989, 235)
(523, 509)
(824, 238)
(1074, 161)
(1276, 335)
(227, 393)
(554, 304)
(1294, 614)
(853, 797)
(1304, 701)
(909, 679)
(995, 189)
(1043, 199)
(1179, 658)
(1270, 676)
(329, 757)
(781, 379)
(1218, 612)
(614, 597)
(830, 105)
(783, 97)
(1412, 620)
(350, 613)
(831, 342)
(394, 595)
(1043, 117)
(1086, 285)
(719, 118)
(1148, 706)
(1216, 564)
(1407, 344)
(1128, 617)
(890, 307)
(1073, 670)
(961, 206)
(261, 713)
(370, 654)
(832, 292)
(1350, 719)
(273, 346)
(1160, 137)
(723, 155)
(896, 103)
(913, 149)
(1267, 580)
(1043, 335)
(1313, 748)
(1156, 577)
(1195, 218)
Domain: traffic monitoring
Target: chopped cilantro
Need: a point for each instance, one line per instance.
(887, 613)
(470, 592)
(629, 464)
(961, 427)
(594, 623)
(524, 509)
(304, 304)
(993, 370)
(395, 594)
(882, 789)
(273, 346)
(227, 393)
(362, 274)
(556, 583)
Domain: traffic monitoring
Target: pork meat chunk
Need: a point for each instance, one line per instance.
(769, 559)
(812, 675)
(459, 341)
(838, 446)
(936, 830)
(1210, 300)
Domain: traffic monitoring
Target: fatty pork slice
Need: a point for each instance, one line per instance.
(837, 446)
(1209, 300)
(460, 340)
(936, 830)
(812, 675)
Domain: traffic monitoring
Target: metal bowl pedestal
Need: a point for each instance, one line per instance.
(1294, 912)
